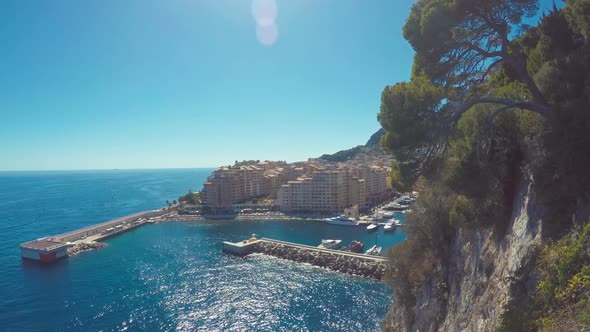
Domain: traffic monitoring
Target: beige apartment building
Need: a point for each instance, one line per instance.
(235, 184)
(278, 176)
(324, 190)
(218, 191)
(357, 192)
(376, 181)
(309, 186)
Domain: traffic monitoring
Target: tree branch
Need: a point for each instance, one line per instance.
(487, 72)
(510, 103)
(488, 125)
(520, 67)
(509, 52)
(481, 51)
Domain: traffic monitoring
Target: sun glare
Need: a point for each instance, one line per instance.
(265, 14)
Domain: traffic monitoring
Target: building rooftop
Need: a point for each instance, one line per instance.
(45, 244)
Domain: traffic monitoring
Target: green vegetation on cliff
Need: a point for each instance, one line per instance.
(490, 101)
(560, 301)
(372, 146)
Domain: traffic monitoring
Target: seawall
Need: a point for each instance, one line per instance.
(336, 260)
(50, 249)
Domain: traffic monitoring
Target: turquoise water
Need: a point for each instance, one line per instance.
(169, 276)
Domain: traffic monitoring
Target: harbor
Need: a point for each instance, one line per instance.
(52, 248)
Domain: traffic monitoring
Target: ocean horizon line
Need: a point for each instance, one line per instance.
(105, 169)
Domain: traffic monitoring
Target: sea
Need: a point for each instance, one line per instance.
(169, 276)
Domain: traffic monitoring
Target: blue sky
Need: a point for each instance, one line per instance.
(186, 83)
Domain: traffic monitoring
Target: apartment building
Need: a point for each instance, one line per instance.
(357, 192)
(376, 181)
(324, 190)
(309, 186)
(219, 191)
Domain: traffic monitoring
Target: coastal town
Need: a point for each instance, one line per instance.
(314, 186)
(352, 192)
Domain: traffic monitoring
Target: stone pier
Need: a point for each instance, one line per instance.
(336, 260)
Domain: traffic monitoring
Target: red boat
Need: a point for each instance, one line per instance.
(356, 247)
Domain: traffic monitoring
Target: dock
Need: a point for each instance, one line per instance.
(336, 260)
(53, 248)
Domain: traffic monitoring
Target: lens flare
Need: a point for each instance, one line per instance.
(264, 12)
(267, 34)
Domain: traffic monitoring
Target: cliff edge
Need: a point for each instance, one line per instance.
(471, 291)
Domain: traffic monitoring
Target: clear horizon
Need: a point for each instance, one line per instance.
(100, 85)
(104, 169)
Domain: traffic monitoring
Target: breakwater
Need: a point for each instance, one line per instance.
(50, 249)
(350, 263)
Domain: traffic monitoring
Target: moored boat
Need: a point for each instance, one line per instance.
(356, 246)
(398, 207)
(330, 244)
(389, 226)
(388, 215)
(372, 227)
(342, 220)
(374, 250)
(406, 200)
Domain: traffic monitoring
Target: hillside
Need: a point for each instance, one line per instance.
(371, 147)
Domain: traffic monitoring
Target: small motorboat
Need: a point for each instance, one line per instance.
(374, 250)
(372, 227)
(330, 244)
(406, 200)
(389, 226)
(398, 207)
(356, 246)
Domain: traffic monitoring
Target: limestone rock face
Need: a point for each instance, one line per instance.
(469, 293)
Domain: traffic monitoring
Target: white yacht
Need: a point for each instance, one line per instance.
(389, 226)
(406, 200)
(342, 220)
(398, 207)
(330, 244)
(372, 227)
(388, 215)
(374, 250)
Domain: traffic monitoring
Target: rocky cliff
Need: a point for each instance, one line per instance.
(469, 291)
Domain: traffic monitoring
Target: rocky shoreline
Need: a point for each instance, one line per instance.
(346, 264)
(83, 246)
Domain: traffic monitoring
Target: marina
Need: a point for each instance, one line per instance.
(52, 248)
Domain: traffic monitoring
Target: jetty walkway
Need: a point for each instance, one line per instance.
(49, 249)
(336, 260)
